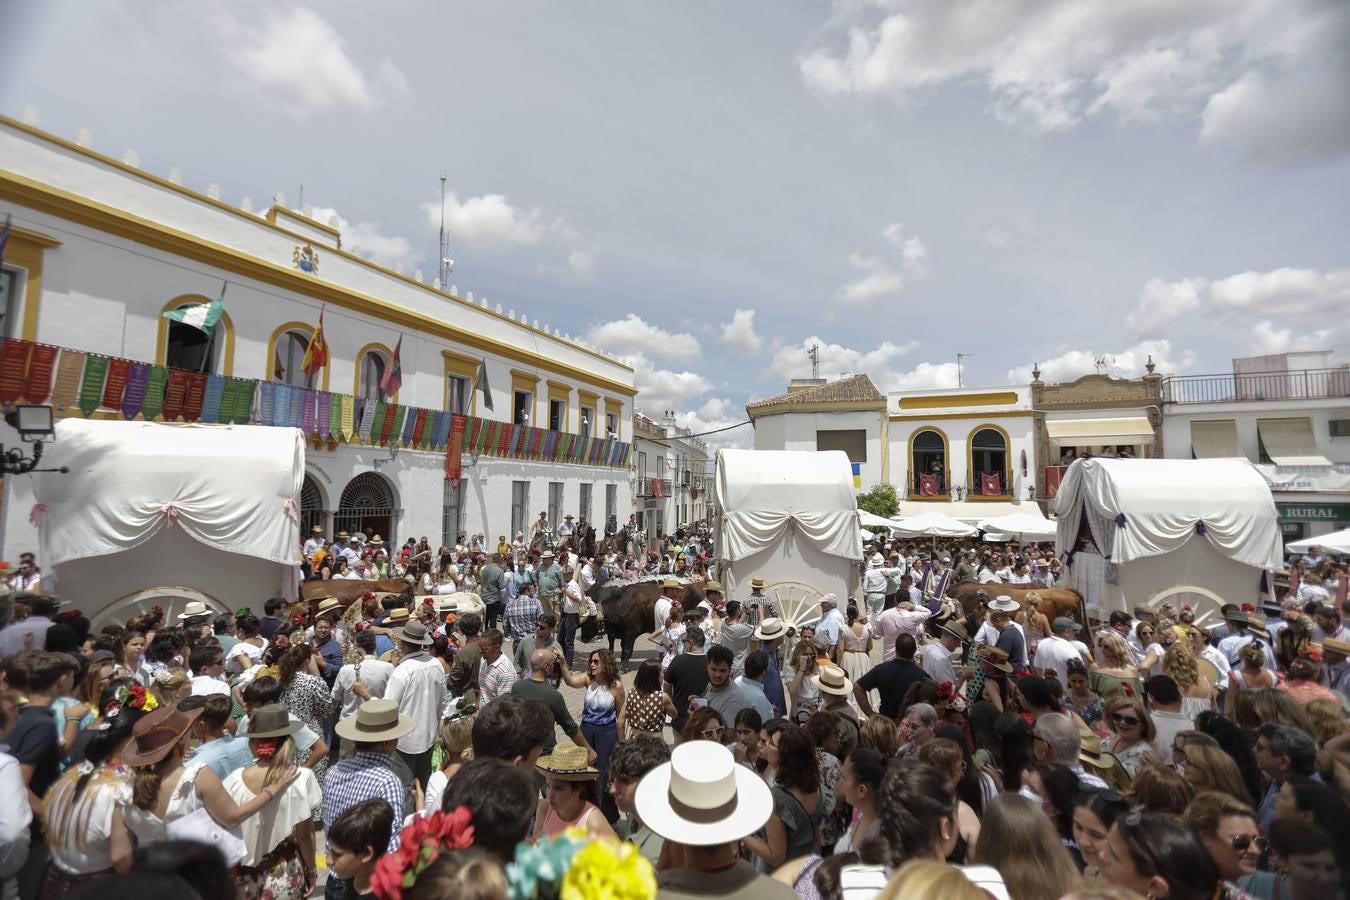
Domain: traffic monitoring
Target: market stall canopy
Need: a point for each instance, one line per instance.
(872, 520)
(1337, 542)
(1099, 432)
(1290, 442)
(932, 524)
(1026, 526)
(968, 511)
(129, 481)
(1216, 440)
(1137, 508)
(759, 491)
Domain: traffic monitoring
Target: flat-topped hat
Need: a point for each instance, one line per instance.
(712, 587)
(272, 720)
(342, 536)
(567, 762)
(375, 721)
(1090, 751)
(377, 541)
(547, 554)
(156, 733)
(671, 583)
(414, 633)
(194, 609)
(757, 583)
(1004, 603)
(956, 630)
(833, 680)
(875, 562)
(317, 529)
(397, 617)
(327, 604)
(702, 797)
(771, 629)
(1333, 645)
(995, 658)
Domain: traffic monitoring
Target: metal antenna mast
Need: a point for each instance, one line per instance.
(814, 353)
(447, 264)
(959, 357)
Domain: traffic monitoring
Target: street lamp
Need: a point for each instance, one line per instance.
(35, 426)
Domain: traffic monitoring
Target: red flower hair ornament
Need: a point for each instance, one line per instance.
(945, 691)
(425, 839)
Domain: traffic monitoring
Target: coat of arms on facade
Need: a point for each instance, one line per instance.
(306, 260)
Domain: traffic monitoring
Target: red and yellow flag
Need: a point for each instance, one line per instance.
(316, 354)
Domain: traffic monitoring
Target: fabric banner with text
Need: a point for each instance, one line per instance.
(13, 369)
(133, 398)
(115, 384)
(154, 393)
(323, 414)
(215, 386)
(267, 402)
(174, 392)
(454, 448)
(91, 389)
(195, 398)
(67, 387)
(40, 364)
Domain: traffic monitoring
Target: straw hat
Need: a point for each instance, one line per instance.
(833, 680)
(414, 633)
(757, 583)
(875, 562)
(956, 630)
(702, 798)
(670, 583)
(712, 587)
(375, 721)
(771, 629)
(1004, 603)
(1336, 646)
(155, 734)
(273, 720)
(327, 604)
(396, 618)
(567, 762)
(342, 536)
(995, 659)
(377, 541)
(317, 529)
(1090, 752)
(547, 554)
(193, 609)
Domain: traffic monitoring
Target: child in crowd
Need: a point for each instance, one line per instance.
(356, 842)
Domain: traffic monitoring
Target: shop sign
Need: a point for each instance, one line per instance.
(1314, 512)
(1306, 478)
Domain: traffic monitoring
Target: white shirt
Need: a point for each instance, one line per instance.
(312, 546)
(1055, 652)
(374, 674)
(988, 634)
(206, 685)
(937, 662)
(418, 687)
(244, 648)
(987, 576)
(1230, 646)
(31, 632)
(586, 578)
(1169, 725)
(1019, 579)
(830, 625)
(1219, 662)
(573, 599)
(566, 529)
(15, 817)
(663, 607)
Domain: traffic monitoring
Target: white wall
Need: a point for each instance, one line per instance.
(797, 431)
(1021, 437)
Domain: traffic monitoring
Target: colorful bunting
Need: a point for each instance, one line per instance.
(454, 449)
(267, 403)
(396, 423)
(116, 383)
(348, 405)
(368, 408)
(419, 426)
(154, 393)
(215, 386)
(243, 401)
(323, 414)
(174, 392)
(13, 369)
(282, 407)
(40, 363)
(67, 387)
(91, 389)
(133, 398)
(409, 427)
(196, 396)
(297, 407)
(444, 422)
(379, 418)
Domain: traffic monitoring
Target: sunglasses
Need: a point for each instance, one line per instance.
(1129, 721)
(712, 732)
(1245, 842)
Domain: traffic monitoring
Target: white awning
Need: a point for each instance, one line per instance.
(1290, 442)
(969, 511)
(1215, 440)
(1099, 432)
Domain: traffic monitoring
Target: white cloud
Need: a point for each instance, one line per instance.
(883, 278)
(1161, 302)
(791, 361)
(299, 61)
(718, 413)
(1266, 338)
(581, 263)
(739, 333)
(488, 223)
(1129, 362)
(366, 239)
(661, 389)
(924, 375)
(634, 336)
(1309, 123)
(1050, 63)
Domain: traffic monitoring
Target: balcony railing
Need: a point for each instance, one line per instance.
(1300, 384)
(653, 487)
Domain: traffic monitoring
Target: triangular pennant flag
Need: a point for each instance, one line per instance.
(154, 393)
(13, 369)
(396, 426)
(91, 389)
(215, 386)
(133, 398)
(174, 393)
(68, 373)
(282, 408)
(115, 384)
(196, 396)
(243, 401)
(40, 364)
(347, 421)
(444, 420)
(367, 419)
(378, 417)
(322, 414)
(267, 403)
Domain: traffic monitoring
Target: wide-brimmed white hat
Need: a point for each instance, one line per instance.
(833, 680)
(830, 599)
(375, 720)
(771, 629)
(702, 798)
(193, 609)
(1004, 603)
(875, 562)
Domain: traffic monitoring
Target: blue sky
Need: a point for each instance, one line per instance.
(707, 188)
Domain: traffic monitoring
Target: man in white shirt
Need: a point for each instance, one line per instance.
(567, 528)
(1311, 591)
(373, 674)
(987, 633)
(1165, 698)
(573, 602)
(831, 620)
(903, 618)
(937, 655)
(670, 595)
(1056, 650)
(315, 542)
(1201, 647)
(1329, 625)
(344, 547)
(874, 585)
(208, 671)
(586, 578)
(27, 578)
(418, 687)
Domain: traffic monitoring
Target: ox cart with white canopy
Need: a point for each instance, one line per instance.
(790, 517)
(1140, 532)
(166, 514)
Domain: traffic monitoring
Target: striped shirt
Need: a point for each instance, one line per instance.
(495, 679)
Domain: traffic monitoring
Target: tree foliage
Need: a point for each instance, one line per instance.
(880, 501)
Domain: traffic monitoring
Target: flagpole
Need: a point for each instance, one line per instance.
(206, 355)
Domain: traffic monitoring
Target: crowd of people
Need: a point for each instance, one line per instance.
(424, 752)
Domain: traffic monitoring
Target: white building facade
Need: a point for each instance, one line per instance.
(100, 250)
(847, 414)
(1288, 415)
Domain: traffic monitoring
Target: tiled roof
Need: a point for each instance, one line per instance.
(854, 389)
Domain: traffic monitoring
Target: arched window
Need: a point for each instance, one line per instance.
(928, 463)
(289, 357)
(182, 346)
(989, 463)
(367, 506)
(311, 505)
(372, 373)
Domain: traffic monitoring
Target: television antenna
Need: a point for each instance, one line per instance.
(447, 265)
(813, 352)
(959, 357)
(1101, 362)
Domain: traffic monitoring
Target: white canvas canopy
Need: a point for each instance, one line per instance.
(932, 524)
(1025, 526)
(1141, 508)
(790, 517)
(872, 520)
(1337, 542)
(207, 512)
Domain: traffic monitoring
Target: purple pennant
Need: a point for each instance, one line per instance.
(133, 398)
(323, 414)
(310, 404)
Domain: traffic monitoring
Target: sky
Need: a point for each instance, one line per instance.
(708, 189)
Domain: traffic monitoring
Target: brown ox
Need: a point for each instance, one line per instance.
(1054, 601)
(347, 591)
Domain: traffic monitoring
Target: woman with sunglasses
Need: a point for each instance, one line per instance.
(1113, 669)
(1146, 634)
(1229, 832)
(1132, 742)
(705, 724)
(1159, 857)
(800, 802)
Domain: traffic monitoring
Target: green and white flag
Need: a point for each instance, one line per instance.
(480, 383)
(201, 316)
